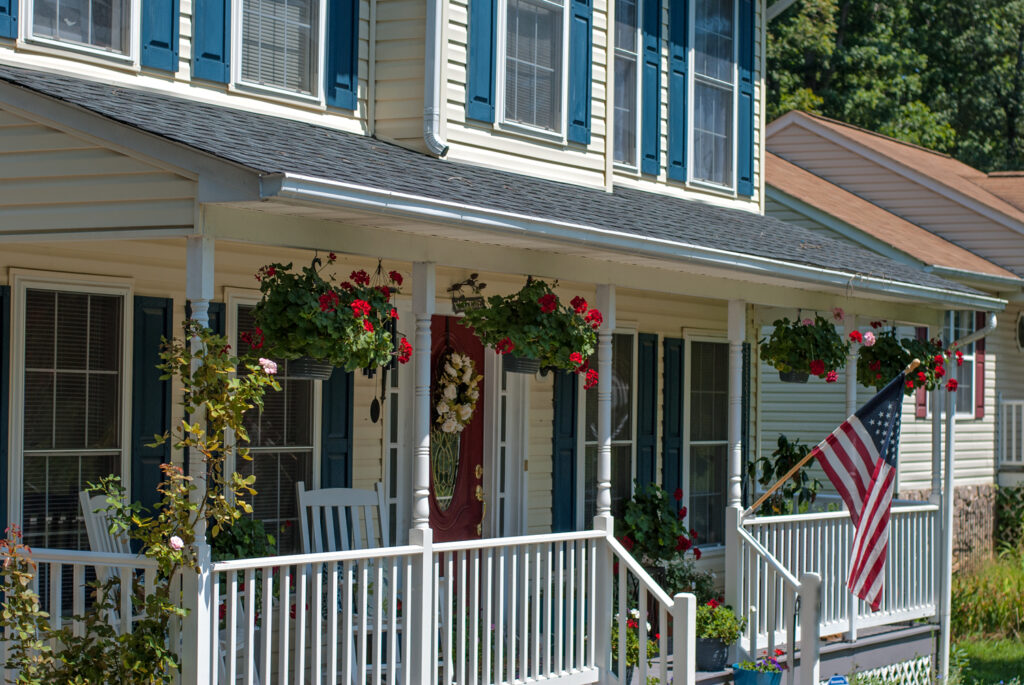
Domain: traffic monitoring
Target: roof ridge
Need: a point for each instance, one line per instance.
(854, 127)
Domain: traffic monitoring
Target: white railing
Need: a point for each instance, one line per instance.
(1011, 432)
(777, 550)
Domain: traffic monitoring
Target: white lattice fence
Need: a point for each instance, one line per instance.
(914, 672)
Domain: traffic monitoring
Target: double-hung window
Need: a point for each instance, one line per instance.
(280, 44)
(71, 356)
(627, 81)
(708, 439)
(958, 325)
(103, 25)
(714, 92)
(534, 63)
(281, 444)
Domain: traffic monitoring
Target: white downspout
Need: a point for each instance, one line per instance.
(432, 81)
(948, 500)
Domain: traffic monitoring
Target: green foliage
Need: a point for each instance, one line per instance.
(879, 363)
(1010, 520)
(244, 538)
(801, 486)
(518, 324)
(348, 324)
(987, 601)
(717, 621)
(990, 661)
(944, 74)
(805, 346)
(653, 531)
(633, 639)
(764, 664)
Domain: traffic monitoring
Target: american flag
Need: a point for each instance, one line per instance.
(859, 458)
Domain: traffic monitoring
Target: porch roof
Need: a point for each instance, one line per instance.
(296, 154)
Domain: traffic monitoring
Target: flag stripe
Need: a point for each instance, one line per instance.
(841, 479)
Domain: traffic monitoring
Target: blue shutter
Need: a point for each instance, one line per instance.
(482, 60)
(5, 366)
(563, 452)
(8, 29)
(650, 89)
(678, 38)
(342, 73)
(160, 34)
(151, 397)
(336, 460)
(211, 41)
(745, 115)
(647, 409)
(675, 420)
(217, 314)
(580, 53)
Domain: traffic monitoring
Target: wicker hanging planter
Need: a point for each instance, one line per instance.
(514, 364)
(307, 367)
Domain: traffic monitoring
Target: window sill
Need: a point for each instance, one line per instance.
(633, 171)
(278, 95)
(57, 48)
(708, 187)
(531, 132)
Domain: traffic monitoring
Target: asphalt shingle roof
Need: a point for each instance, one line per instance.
(270, 144)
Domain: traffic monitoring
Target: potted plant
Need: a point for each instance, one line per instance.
(533, 329)
(766, 670)
(801, 487)
(717, 629)
(319, 324)
(633, 642)
(805, 347)
(882, 356)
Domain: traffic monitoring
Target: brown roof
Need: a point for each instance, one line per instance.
(937, 166)
(1008, 185)
(871, 219)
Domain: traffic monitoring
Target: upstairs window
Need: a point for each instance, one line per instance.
(714, 91)
(101, 24)
(534, 63)
(627, 81)
(280, 46)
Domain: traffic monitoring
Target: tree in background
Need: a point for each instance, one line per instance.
(944, 74)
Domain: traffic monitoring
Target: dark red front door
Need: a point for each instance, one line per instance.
(456, 511)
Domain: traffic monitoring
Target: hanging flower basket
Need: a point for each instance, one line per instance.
(303, 314)
(535, 325)
(307, 367)
(516, 364)
(882, 356)
(805, 347)
(793, 377)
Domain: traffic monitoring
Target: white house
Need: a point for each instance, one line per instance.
(155, 154)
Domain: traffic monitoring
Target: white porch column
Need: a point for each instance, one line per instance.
(948, 502)
(423, 304)
(197, 653)
(606, 304)
(734, 510)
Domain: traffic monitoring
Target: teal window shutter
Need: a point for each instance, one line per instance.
(647, 409)
(482, 62)
(211, 40)
(5, 365)
(564, 452)
(745, 115)
(650, 89)
(160, 34)
(217, 313)
(675, 420)
(342, 73)
(151, 397)
(8, 29)
(678, 38)
(580, 53)
(336, 443)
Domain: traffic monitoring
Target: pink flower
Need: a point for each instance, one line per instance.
(269, 366)
(831, 377)
(808, 322)
(175, 542)
(869, 339)
(838, 313)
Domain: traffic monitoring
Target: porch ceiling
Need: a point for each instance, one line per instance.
(316, 171)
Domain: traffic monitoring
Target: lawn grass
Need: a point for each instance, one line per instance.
(993, 661)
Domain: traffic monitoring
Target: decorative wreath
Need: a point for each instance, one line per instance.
(457, 392)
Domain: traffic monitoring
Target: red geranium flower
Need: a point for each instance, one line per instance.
(693, 533)
(579, 304)
(696, 554)
(855, 336)
(951, 384)
(959, 358)
(504, 346)
(939, 359)
(831, 377)
(683, 543)
(875, 365)
(404, 351)
(678, 494)
(253, 339)
(591, 379)
(576, 358)
(817, 367)
(384, 290)
(594, 318)
(346, 286)
(396, 277)
(368, 325)
(393, 314)
(360, 277)
(627, 542)
(328, 300)
(548, 303)
(922, 376)
(910, 385)
(331, 258)
(682, 513)
(940, 371)
(360, 308)
(714, 603)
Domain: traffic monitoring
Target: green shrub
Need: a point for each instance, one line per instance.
(987, 601)
(716, 621)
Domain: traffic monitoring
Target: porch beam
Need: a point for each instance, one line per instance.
(606, 304)
(423, 305)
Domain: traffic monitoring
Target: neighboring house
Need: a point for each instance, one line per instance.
(925, 209)
(156, 155)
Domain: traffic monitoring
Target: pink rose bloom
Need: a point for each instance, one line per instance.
(869, 339)
(808, 322)
(838, 313)
(175, 542)
(269, 366)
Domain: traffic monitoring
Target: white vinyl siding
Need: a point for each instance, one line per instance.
(279, 44)
(100, 24)
(714, 92)
(535, 63)
(627, 81)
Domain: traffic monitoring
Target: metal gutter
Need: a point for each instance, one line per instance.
(1010, 282)
(337, 193)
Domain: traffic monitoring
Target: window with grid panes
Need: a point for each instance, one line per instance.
(958, 325)
(714, 85)
(101, 24)
(73, 408)
(623, 383)
(281, 447)
(280, 44)
(534, 62)
(709, 439)
(627, 59)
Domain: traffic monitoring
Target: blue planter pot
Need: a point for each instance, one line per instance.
(741, 676)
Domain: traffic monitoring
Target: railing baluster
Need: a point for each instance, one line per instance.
(316, 617)
(301, 609)
(581, 598)
(642, 620)
(513, 606)
(78, 597)
(460, 617)
(231, 629)
(663, 643)
(348, 636)
(218, 654)
(285, 615)
(364, 609)
(571, 620)
(267, 623)
(559, 645)
(379, 597)
(538, 590)
(524, 611)
(620, 623)
(392, 626)
(548, 654)
(250, 627)
(499, 598)
(474, 618)
(488, 627)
